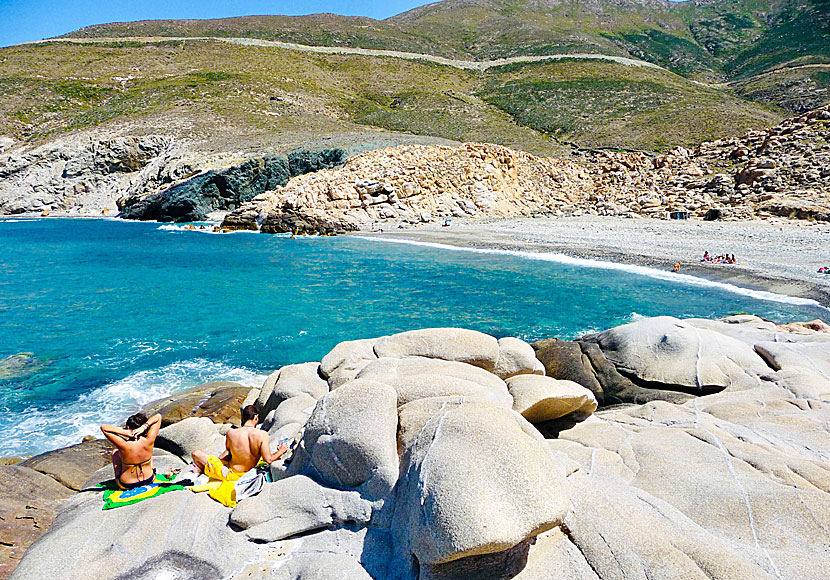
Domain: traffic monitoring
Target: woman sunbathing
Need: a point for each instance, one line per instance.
(132, 459)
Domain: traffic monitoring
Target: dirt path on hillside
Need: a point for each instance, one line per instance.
(480, 65)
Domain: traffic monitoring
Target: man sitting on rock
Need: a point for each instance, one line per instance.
(244, 447)
(132, 459)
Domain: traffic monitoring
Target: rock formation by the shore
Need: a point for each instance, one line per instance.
(411, 184)
(86, 176)
(197, 197)
(422, 455)
(781, 172)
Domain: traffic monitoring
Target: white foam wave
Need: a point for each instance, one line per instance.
(34, 431)
(208, 229)
(631, 268)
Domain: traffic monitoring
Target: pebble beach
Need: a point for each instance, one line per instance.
(777, 256)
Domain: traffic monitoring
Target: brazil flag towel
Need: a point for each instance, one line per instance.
(115, 497)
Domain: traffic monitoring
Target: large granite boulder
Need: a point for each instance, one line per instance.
(29, 502)
(675, 354)
(219, 401)
(516, 357)
(539, 398)
(297, 505)
(350, 438)
(466, 491)
(177, 535)
(294, 410)
(291, 381)
(419, 377)
(345, 360)
(450, 344)
(184, 437)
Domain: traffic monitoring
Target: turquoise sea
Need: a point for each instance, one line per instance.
(106, 315)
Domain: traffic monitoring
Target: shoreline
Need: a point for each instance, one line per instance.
(767, 258)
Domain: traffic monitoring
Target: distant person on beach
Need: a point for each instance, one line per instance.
(676, 267)
(244, 447)
(132, 459)
(706, 257)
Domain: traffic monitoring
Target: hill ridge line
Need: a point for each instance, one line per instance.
(479, 65)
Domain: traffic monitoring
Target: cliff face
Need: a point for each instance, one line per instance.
(85, 175)
(195, 198)
(413, 184)
(781, 171)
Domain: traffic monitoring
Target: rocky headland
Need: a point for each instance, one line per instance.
(663, 448)
(781, 171)
(778, 172)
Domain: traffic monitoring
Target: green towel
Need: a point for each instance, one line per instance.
(115, 497)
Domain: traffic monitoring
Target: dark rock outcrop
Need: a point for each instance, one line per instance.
(219, 401)
(195, 198)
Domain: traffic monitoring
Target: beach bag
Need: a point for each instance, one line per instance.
(251, 483)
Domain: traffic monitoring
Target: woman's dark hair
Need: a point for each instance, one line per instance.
(249, 413)
(136, 421)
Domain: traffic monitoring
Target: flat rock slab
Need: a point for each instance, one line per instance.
(72, 466)
(29, 502)
(219, 401)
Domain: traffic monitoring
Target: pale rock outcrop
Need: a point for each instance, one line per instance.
(184, 437)
(294, 410)
(539, 398)
(444, 512)
(450, 344)
(516, 357)
(297, 505)
(420, 377)
(177, 535)
(410, 184)
(89, 174)
(350, 438)
(295, 380)
(390, 368)
(731, 484)
(671, 352)
(346, 360)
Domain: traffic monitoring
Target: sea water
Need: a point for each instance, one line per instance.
(98, 317)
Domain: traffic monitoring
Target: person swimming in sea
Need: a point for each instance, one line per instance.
(132, 459)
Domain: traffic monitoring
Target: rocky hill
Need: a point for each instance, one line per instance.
(712, 40)
(448, 454)
(782, 171)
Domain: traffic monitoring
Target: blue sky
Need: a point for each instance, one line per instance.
(25, 20)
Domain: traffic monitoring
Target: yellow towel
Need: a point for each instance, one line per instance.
(222, 483)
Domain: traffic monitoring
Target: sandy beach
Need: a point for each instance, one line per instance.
(780, 256)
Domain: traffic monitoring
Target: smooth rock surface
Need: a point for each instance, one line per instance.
(72, 466)
(450, 344)
(350, 438)
(296, 505)
(466, 492)
(516, 357)
(539, 398)
(186, 436)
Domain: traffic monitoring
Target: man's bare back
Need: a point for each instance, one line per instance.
(245, 446)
